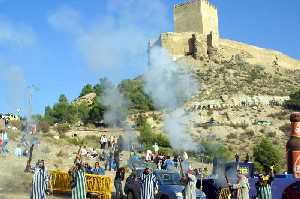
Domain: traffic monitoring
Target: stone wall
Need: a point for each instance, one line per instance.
(179, 44)
(255, 55)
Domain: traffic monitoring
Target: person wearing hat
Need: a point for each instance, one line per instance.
(189, 180)
(40, 181)
(149, 185)
(78, 183)
(263, 185)
(98, 170)
(242, 186)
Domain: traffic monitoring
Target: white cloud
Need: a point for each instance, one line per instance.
(66, 19)
(16, 35)
(119, 38)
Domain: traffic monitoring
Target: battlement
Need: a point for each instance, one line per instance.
(192, 2)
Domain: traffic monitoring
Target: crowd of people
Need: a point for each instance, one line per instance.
(107, 158)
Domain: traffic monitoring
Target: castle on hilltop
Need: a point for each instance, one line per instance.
(196, 30)
(196, 34)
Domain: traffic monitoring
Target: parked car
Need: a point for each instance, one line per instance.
(169, 185)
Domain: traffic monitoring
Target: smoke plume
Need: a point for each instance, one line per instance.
(118, 41)
(15, 87)
(116, 111)
(170, 86)
(116, 106)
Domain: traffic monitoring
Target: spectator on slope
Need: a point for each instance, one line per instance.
(18, 151)
(87, 168)
(83, 151)
(120, 176)
(155, 148)
(105, 142)
(98, 170)
(4, 138)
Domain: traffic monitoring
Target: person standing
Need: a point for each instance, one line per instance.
(78, 183)
(168, 164)
(5, 140)
(263, 186)
(98, 170)
(149, 184)
(117, 158)
(40, 181)
(189, 182)
(120, 176)
(155, 148)
(242, 187)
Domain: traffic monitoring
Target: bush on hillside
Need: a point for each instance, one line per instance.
(294, 101)
(148, 137)
(212, 149)
(266, 155)
(43, 126)
(62, 128)
(86, 90)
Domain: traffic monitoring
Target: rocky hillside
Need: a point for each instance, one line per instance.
(238, 77)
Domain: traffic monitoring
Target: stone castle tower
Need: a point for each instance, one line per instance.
(196, 34)
(196, 16)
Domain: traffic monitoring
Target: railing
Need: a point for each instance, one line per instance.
(100, 185)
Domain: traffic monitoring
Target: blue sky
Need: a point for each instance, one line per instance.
(60, 45)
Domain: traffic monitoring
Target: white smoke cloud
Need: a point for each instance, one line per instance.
(116, 106)
(170, 85)
(16, 35)
(15, 83)
(117, 41)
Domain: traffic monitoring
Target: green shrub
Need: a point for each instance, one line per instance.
(271, 134)
(285, 128)
(242, 125)
(43, 126)
(62, 128)
(166, 151)
(217, 150)
(249, 133)
(231, 136)
(148, 137)
(266, 155)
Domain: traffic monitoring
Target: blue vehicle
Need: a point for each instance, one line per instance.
(169, 185)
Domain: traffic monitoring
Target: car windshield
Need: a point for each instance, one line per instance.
(169, 178)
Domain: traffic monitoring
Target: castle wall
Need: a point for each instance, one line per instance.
(255, 55)
(179, 45)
